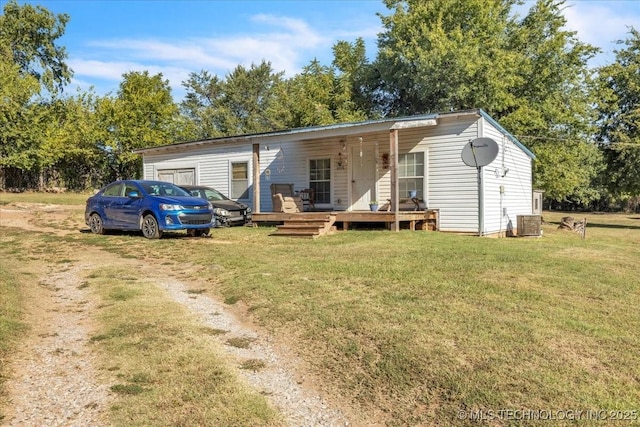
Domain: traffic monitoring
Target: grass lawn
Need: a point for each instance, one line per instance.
(411, 328)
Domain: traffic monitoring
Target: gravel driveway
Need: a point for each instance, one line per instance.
(52, 377)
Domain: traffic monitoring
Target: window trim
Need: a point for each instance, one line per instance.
(248, 179)
(161, 167)
(425, 157)
(331, 178)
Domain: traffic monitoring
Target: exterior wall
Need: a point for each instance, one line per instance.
(281, 163)
(453, 187)
(212, 164)
(293, 167)
(506, 195)
(449, 185)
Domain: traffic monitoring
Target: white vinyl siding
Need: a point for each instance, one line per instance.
(447, 183)
(212, 165)
(512, 169)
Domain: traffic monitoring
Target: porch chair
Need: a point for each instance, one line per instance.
(284, 199)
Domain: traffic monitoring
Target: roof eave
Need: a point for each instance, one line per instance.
(298, 134)
(513, 139)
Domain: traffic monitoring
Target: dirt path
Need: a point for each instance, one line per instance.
(54, 382)
(52, 378)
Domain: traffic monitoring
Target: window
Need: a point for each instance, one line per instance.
(113, 191)
(129, 188)
(240, 180)
(411, 174)
(320, 179)
(185, 176)
(213, 195)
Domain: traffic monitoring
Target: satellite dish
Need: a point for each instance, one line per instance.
(479, 152)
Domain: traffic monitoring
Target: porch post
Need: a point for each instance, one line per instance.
(395, 185)
(256, 178)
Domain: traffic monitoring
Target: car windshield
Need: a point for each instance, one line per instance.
(213, 195)
(163, 189)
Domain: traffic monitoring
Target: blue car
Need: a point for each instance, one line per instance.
(149, 206)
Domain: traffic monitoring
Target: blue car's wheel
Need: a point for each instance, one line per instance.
(150, 228)
(95, 224)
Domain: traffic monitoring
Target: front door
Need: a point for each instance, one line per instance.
(363, 177)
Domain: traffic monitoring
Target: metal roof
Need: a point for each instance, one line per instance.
(337, 129)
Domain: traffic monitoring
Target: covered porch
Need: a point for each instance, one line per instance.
(365, 169)
(314, 224)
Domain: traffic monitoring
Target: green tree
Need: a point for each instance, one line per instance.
(442, 55)
(204, 94)
(529, 73)
(30, 33)
(251, 101)
(567, 171)
(70, 149)
(142, 115)
(554, 112)
(30, 61)
(246, 101)
(312, 93)
(355, 84)
(322, 95)
(619, 117)
(19, 137)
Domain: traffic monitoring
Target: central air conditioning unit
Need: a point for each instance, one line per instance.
(530, 225)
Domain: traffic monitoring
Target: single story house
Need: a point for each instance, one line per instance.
(348, 165)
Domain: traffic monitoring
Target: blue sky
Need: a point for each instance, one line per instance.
(107, 38)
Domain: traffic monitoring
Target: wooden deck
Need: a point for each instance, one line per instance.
(412, 220)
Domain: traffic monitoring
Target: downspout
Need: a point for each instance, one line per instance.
(480, 203)
(256, 178)
(480, 185)
(502, 175)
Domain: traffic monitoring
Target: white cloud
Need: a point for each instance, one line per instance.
(597, 24)
(602, 23)
(285, 48)
(296, 31)
(101, 69)
(190, 52)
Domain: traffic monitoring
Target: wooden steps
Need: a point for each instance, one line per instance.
(306, 225)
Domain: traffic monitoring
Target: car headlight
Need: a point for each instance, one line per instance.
(221, 212)
(168, 207)
(248, 210)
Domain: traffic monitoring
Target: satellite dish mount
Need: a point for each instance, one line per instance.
(477, 153)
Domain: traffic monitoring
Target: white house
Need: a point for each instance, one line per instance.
(350, 164)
